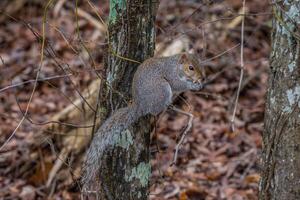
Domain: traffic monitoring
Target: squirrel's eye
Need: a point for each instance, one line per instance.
(191, 67)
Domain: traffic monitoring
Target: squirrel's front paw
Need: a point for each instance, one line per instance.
(197, 86)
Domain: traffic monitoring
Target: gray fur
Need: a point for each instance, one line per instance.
(154, 83)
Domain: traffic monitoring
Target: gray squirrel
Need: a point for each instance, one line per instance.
(154, 84)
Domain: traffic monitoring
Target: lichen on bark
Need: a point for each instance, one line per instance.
(141, 172)
(125, 169)
(281, 137)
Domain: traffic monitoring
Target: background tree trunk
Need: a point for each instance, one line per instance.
(126, 170)
(281, 137)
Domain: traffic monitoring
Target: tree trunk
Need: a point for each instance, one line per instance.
(126, 169)
(281, 137)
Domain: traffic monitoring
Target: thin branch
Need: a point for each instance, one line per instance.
(65, 96)
(97, 108)
(180, 33)
(185, 132)
(216, 75)
(36, 78)
(1, 59)
(51, 122)
(52, 54)
(31, 81)
(216, 96)
(220, 54)
(242, 68)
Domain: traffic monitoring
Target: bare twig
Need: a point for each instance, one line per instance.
(242, 68)
(36, 78)
(97, 108)
(32, 81)
(2, 61)
(64, 38)
(187, 129)
(220, 54)
(169, 35)
(77, 125)
(51, 52)
(216, 96)
(57, 7)
(216, 75)
(185, 19)
(100, 26)
(61, 159)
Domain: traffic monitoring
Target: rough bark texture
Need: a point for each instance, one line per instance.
(125, 171)
(281, 137)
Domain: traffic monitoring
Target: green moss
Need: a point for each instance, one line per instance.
(102, 110)
(115, 7)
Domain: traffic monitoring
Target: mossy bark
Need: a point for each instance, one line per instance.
(125, 170)
(281, 137)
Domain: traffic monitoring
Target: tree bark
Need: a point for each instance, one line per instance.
(281, 137)
(125, 171)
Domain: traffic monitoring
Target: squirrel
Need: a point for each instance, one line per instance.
(154, 84)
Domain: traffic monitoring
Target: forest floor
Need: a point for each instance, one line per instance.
(215, 162)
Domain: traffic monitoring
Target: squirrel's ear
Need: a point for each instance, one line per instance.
(183, 58)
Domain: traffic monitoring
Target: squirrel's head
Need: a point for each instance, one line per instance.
(191, 70)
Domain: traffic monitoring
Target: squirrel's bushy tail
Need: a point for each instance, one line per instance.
(107, 136)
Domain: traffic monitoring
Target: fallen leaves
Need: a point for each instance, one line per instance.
(214, 162)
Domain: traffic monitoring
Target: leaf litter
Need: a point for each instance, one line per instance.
(213, 162)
